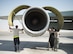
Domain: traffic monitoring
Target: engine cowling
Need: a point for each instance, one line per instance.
(35, 21)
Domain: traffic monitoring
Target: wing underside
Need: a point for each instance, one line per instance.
(68, 20)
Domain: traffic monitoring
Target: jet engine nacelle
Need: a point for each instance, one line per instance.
(35, 21)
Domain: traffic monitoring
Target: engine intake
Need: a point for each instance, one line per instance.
(35, 21)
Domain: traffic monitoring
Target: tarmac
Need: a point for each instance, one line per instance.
(35, 45)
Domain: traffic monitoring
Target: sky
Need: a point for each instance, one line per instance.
(6, 6)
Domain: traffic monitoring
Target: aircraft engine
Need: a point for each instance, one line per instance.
(35, 21)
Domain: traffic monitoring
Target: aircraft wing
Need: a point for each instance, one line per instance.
(68, 19)
(17, 17)
(4, 17)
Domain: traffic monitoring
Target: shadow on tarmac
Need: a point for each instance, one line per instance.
(9, 45)
(6, 45)
(66, 47)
